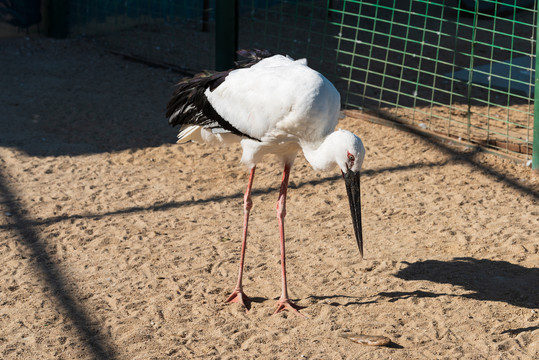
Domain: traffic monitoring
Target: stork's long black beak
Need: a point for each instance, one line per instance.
(353, 188)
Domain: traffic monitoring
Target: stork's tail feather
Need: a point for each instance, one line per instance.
(186, 104)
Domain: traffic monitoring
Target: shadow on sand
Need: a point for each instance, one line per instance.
(487, 280)
(61, 290)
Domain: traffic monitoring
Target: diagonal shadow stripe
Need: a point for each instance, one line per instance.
(237, 195)
(52, 276)
(388, 119)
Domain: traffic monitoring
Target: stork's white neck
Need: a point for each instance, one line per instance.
(321, 156)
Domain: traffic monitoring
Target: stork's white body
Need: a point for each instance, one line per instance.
(280, 101)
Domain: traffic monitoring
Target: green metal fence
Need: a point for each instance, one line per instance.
(459, 68)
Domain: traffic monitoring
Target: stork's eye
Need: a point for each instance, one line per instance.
(351, 159)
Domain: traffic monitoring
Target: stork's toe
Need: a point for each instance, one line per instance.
(238, 296)
(285, 304)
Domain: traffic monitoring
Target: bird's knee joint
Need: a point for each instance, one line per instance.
(247, 203)
(281, 211)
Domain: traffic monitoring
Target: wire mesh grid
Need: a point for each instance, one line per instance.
(461, 69)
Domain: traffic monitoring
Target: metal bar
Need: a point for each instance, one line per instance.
(206, 16)
(471, 70)
(403, 64)
(338, 52)
(59, 19)
(226, 33)
(421, 56)
(387, 59)
(535, 145)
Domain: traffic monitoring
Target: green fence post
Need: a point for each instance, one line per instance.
(535, 149)
(226, 33)
(59, 19)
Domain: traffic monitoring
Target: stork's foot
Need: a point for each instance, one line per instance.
(238, 296)
(285, 304)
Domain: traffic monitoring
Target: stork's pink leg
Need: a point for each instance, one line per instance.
(284, 303)
(238, 295)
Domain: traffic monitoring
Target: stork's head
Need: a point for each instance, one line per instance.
(350, 152)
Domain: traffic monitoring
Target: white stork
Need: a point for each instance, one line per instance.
(271, 104)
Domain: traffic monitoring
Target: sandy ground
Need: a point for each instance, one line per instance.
(118, 244)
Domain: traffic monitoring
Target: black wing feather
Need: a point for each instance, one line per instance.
(189, 105)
